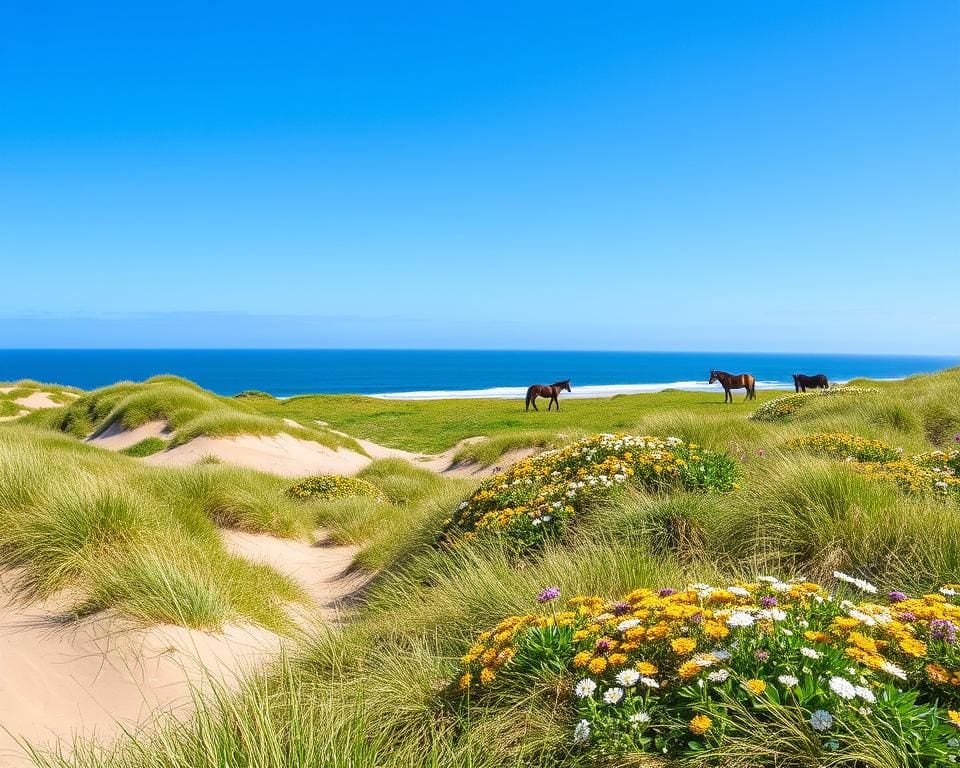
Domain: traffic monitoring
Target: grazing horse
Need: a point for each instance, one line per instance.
(729, 381)
(802, 383)
(542, 390)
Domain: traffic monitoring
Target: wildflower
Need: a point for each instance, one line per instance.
(941, 629)
(581, 733)
(740, 619)
(756, 686)
(699, 725)
(683, 645)
(860, 584)
(718, 676)
(954, 717)
(892, 669)
(649, 682)
(866, 694)
(821, 720)
(597, 665)
(762, 655)
(547, 594)
(612, 695)
(788, 680)
(843, 687)
(738, 591)
(810, 653)
(627, 677)
(623, 626)
(768, 601)
(897, 596)
(585, 688)
(639, 718)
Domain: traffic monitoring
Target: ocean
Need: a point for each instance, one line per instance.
(424, 374)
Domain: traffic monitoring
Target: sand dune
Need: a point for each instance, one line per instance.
(443, 463)
(99, 675)
(117, 438)
(36, 400)
(280, 454)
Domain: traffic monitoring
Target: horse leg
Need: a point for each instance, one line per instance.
(534, 402)
(557, 401)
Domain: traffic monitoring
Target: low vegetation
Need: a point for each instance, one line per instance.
(815, 601)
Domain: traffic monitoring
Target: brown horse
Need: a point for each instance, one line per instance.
(542, 390)
(802, 383)
(728, 381)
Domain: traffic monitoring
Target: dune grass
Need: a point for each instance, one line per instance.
(146, 447)
(189, 410)
(376, 693)
(117, 534)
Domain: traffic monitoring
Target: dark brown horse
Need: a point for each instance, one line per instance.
(802, 383)
(728, 381)
(542, 390)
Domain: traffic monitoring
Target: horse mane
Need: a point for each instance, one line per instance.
(560, 383)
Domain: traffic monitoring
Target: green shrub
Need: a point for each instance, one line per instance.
(330, 487)
(539, 496)
(781, 408)
(146, 447)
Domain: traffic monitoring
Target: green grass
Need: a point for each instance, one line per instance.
(9, 408)
(374, 693)
(116, 533)
(432, 426)
(189, 410)
(146, 447)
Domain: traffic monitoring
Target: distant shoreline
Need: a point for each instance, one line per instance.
(587, 391)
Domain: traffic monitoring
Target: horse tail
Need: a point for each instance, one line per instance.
(529, 392)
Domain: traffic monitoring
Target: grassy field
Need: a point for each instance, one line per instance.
(383, 690)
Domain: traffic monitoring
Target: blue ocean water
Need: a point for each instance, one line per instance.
(437, 373)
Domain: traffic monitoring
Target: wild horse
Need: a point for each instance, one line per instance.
(802, 383)
(729, 381)
(542, 390)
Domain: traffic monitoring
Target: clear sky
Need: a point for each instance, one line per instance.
(756, 175)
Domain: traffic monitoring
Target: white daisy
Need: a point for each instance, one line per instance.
(627, 677)
(585, 688)
(612, 695)
(843, 687)
(581, 734)
(788, 680)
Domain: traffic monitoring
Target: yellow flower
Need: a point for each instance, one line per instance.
(756, 686)
(937, 673)
(954, 718)
(597, 665)
(487, 675)
(465, 681)
(683, 645)
(582, 659)
(688, 669)
(700, 724)
(646, 669)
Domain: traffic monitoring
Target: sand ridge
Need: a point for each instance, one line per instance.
(101, 674)
(117, 438)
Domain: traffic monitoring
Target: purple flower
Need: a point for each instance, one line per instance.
(697, 618)
(941, 629)
(762, 655)
(907, 616)
(618, 609)
(956, 438)
(603, 645)
(547, 594)
(897, 596)
(666, 592)
(768, 601)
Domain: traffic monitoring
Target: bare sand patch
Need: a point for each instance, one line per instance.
(323, 569)
(281, 454)
(36, 400)
(96, 676)
(117, 438)
(443, 463)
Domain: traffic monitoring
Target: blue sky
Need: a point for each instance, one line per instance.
(675, 175)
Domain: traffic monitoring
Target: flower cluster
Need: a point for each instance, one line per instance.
(780, 408)
(840, 445)
(329, 487)
(937, 471)
(671, 671)
(542, 493)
